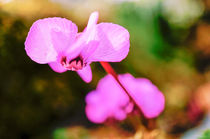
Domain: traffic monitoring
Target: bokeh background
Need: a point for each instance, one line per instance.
(170, 45)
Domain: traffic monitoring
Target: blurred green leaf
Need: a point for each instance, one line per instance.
(206, 135)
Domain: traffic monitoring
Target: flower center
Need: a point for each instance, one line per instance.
(74, 64)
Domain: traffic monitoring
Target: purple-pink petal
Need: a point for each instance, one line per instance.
(146, 95)
(95, 111)
(56, 41)
(114, 43)
(88, 50)
(57, 67)
(82, 43)
(110, 101)
(150, 100)
(85, 73)
(48, 37)
(93, 19)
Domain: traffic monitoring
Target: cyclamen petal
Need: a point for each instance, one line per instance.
(42, 44)
(57, 67)
(93, 19)
(85, 74)
(114, 43)
(146, 95)
(55, 41)
(110, 101)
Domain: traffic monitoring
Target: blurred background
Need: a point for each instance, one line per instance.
(170, 45)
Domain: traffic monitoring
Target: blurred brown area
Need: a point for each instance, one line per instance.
(207, 4)
(203, 38)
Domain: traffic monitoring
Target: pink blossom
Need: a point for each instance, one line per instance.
(56, 41)
(110, 101)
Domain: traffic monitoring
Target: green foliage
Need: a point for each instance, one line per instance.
(143, 25)
(73, 133)
(206, 135)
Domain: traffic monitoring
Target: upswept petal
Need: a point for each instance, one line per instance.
(89, 49)
(150, 99)
(47, 37)
(82, 43)
(96, 114)
(95, 111)
(57, 67)
(110, 101)
(114, 43)
(93, 19)
(83, 39)
(146, 95)
(107, 101)
(85, 73)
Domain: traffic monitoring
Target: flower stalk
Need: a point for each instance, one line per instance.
(108, 68)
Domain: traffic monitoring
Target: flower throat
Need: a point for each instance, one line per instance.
(74, 64)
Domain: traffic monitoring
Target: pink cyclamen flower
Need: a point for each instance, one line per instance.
(110, 101)
(56, 41)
